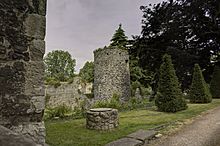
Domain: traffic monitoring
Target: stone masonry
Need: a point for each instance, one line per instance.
(22, 46)
(102, 119)
(111, 73)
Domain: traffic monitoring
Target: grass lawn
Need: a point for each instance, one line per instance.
(74, 133)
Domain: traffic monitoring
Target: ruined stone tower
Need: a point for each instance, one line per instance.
(111, 73)
(22, 46)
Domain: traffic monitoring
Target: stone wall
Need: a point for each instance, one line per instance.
(111, 73)
(22, 46)
(69, 94)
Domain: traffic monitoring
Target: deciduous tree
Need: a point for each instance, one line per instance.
(59, 65)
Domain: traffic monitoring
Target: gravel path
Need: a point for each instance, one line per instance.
(204, 131)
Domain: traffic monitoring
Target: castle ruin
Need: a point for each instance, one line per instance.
(22, 46)
(111, 73)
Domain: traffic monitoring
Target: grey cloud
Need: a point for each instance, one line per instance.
(81, 26)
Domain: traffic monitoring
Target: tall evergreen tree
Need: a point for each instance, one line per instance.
(119, 39)
(199, 91)
(215, 82)
(169, 97)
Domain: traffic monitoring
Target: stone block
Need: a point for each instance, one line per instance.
(35, 26)
(37, 50)
(38, 104)
(38, 6)
(12, 77)
(33, 130)
(142, 135)
(125, 142)
(10, 138)
(14, 105)
(34, 82)
(19, 77)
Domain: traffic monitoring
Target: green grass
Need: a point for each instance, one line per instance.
(74, 133)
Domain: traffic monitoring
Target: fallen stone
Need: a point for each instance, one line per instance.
(9, 138)
(142, 135)
(125, 142)
(158, 135)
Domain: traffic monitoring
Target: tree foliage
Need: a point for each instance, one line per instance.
(87, 72)
(119, 39)
(187, 30)
(199, 91)
(59, 65)
(169, 97)
(215, 82)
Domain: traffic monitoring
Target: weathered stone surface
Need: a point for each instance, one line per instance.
(111, 73)
(142, 135)
(22, 31)
(37, 50)
(12, 78)
(34, 82)
(10, 138)
(101, 109)
(33, 130)
(34, 26)
(68, 94)
(22, 78)
(125, 142)
(38, 6)
(102, 119)
(37, 105)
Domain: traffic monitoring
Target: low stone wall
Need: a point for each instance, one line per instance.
(68, 94)
(102, 119)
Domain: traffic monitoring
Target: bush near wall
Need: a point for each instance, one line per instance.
(52, 81)
(199, 91)
(114, 102)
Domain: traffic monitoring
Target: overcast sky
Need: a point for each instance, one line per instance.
(81, 26)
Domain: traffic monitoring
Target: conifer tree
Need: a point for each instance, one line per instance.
(199, 91)
(119, 39)
(169, 97)
(215, 82)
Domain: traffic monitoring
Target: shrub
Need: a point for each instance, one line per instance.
(114, 102)
(60, 111)
(52, 81)
(169, 97)
(101, 104)
(215, 83)
(199, 91)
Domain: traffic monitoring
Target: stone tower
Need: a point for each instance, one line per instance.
(111, 73)
(22, 46)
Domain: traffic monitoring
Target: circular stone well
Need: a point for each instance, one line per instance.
(102, 119)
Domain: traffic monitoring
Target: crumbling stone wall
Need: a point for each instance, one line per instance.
(69, 94)
(111, 73)
(22, 46)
